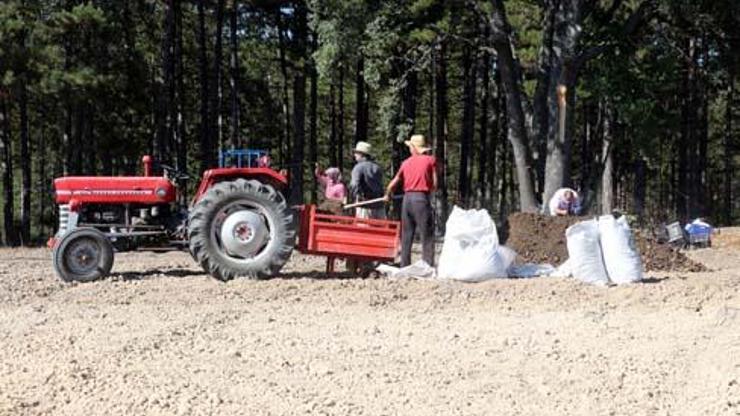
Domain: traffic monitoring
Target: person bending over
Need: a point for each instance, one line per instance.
(564, 202)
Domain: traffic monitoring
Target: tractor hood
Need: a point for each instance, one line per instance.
(114, 190)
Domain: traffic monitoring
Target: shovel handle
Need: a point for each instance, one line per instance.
(369, 202)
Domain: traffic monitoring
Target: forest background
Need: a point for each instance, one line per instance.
(87, 88)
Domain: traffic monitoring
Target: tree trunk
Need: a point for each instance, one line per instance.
(25, 164)
(6, 162)
(517, 132)
(728, 148)
(586, 157)
(77, 138)
(299, 107)
(540, 99)
(505, 170)
(340, 124)
(205, 135)
(361, 122)
(106, 160)
(67, 168)
(409, 115)
(299, 133)
(468, 126)
(284, 142)
(409, 99)
(640, 191)
(91, 141)
(683, 193)
(692, 169)
(440, 148)
(483, 151)
(234, 78)
(563, 72)
(497, 135)
(313, 126)
(180, 139)
(41, 188)
(702, 197)
(333, 145)
(218, 91)
(432, 98)
(607, 175)
(166, 98)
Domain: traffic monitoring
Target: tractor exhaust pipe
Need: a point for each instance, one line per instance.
(147, 161)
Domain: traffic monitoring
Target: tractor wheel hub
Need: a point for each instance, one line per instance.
(244, 233)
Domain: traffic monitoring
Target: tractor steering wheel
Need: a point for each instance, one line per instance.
(174, 174)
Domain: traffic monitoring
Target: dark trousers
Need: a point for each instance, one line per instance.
(417, 215)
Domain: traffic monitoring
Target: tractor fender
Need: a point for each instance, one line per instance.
(264, 175)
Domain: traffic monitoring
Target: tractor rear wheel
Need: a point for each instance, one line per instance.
(241, 228)
(83, 255)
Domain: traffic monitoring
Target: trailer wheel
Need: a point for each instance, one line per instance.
(83, 255)
(241, 228)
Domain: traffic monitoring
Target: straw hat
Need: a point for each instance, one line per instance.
(418, 142)
(364, 147)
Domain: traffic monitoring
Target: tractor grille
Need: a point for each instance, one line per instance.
(63, 219)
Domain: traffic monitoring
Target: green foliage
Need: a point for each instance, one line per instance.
(94, 73)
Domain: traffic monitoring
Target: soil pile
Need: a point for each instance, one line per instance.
(541, 239)
(663, 257)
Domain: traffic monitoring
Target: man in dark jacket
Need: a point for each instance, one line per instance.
(367, 183)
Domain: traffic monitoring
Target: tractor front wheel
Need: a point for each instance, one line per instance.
(83, 255)
(241, 228)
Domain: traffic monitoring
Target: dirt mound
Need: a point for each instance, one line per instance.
(541, 239)
(538, 238)
(656, 256)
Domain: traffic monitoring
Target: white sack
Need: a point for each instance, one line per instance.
(584, 252)
(471, 252)
(621, 258)
(470, 225)
(564, 270)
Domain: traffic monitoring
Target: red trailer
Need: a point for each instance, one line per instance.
(357, 240)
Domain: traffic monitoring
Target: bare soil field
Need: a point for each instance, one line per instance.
(160, 337)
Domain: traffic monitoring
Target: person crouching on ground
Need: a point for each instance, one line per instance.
(367, 183)
(565, 201)
(335, 193)
(418, 174)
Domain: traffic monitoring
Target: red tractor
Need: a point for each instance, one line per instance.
(237, 224)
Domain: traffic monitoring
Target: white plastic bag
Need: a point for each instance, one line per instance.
(470, 225)
(621, 258)
(419, 270)
(564, 270)
(584, 252)
(471, 252)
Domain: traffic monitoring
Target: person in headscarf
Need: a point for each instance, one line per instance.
(335, 193)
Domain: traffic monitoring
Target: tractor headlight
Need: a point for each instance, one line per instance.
(161, 192)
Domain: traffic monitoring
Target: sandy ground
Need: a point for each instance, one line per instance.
(159, 337)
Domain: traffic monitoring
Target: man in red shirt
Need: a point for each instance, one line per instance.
(419, 176)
